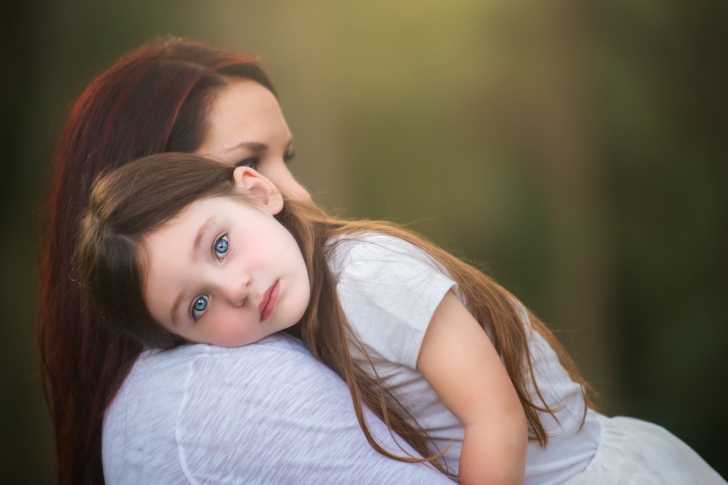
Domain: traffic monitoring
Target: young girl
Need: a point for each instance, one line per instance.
(175, 248)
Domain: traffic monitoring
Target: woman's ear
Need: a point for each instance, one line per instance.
(247, 179)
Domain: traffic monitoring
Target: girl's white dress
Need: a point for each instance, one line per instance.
(389, 290)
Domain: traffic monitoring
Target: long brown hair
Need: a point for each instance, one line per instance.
(153, 100)
(128, 204)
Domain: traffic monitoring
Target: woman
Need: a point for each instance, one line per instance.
(178, 96)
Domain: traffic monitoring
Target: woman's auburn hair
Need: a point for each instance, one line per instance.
(128, 204)
(153, 100)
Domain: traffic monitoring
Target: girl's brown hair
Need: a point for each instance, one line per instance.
(131, 202)
(154, 99)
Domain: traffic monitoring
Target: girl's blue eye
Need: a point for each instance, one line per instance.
(199, 307)
(221, 246)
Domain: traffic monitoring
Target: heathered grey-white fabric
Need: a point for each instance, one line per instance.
(264, 413)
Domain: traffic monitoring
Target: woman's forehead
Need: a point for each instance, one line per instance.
(244, 112)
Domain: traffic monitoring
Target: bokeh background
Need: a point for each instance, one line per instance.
(578, 149)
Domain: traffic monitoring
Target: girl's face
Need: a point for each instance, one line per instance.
(225, 271)
(246, 127)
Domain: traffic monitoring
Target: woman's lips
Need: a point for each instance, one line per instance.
(268, 303)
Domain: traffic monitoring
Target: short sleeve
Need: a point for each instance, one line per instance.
(389, 289)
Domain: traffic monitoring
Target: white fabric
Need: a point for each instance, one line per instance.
(635, 452)
(389, 290)
(264, 413)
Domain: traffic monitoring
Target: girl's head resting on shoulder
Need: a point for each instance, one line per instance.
(177, 248)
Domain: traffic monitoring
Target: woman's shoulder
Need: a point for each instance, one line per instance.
(183, 384)
(264, 413)
(207, 365)
(182, 355)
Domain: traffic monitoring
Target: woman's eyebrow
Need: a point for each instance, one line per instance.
(251, 145)
(255, 146)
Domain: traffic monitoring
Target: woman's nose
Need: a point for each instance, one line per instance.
(298, 191)
(287, 183)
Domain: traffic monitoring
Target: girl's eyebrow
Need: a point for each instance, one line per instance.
(173, 311)
(200, 234)
(175, 307)
(195, 249)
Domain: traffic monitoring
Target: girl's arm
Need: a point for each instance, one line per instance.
(461, 365)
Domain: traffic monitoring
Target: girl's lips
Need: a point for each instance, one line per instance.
(268, 303)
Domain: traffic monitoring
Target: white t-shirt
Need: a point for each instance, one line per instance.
(264, 413)
(389, 290)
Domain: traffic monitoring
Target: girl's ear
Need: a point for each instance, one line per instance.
(247, 179)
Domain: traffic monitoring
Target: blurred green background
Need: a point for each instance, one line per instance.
(579, 149)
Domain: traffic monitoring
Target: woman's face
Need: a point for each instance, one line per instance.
(246, 127)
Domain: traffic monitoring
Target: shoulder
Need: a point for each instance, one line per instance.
(389, 289)
(373, 246)
(179, 385)
(216, 369)
(371, 256)
(166, 384)
(264, 413)
(174, 406)
(385, 265)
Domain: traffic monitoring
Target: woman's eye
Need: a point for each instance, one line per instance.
(221, 246)
(251, 162)
(199, 307)
(289, 156)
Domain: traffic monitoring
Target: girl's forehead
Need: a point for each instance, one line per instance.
(178, 225)
(200, 211)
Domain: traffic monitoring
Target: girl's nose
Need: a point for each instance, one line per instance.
(237, 288)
